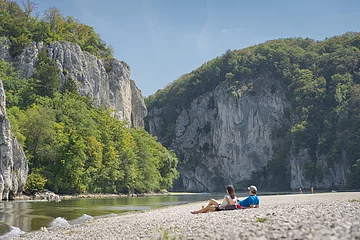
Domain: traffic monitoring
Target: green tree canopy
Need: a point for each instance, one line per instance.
(21, 27)
(319, 78)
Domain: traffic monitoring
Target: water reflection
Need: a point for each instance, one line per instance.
(31, 215)
(15, 214)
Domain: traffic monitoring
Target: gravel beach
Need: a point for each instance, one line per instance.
(302, 216)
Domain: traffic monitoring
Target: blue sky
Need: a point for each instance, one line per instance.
(163, 39)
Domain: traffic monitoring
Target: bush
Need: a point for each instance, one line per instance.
(34, 183)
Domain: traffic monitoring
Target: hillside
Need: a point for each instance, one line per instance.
(70, 105)
(282, 114)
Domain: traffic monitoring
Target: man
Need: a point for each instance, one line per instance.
(250, 202)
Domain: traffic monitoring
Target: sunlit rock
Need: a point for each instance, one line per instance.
(13, 163)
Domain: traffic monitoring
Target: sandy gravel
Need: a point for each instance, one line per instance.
(306, 216)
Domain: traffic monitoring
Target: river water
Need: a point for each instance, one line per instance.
(19, 216)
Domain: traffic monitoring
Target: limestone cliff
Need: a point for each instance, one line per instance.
(112, 89)
(222, 138)
(13, 163)
(334, 177)
(138, 111)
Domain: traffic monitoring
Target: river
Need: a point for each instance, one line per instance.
(32, 215)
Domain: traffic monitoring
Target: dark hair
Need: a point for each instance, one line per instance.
(231, 191)
(253, 191)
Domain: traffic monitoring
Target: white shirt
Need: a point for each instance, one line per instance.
(224, 203)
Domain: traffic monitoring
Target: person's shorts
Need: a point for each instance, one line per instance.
(231, 207)
(217, 208)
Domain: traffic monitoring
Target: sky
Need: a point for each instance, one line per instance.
(164, 39)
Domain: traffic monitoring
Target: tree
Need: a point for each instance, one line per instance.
(54, 17)
(34, 183)
(229, 76)
(319, 80)
(39, 132)
(69, 86)
(46, 76)
(71, 145)
(29, 7)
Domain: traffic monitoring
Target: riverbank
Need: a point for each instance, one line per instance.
(305, 216)
(89, 195)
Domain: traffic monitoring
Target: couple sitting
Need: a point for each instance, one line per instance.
(230, 202)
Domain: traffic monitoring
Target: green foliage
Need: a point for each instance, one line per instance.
(73, 147)
(69, 86)
(16, 117)
(46, 80)
(229, 76)
(22, 28)
(17, 90)
(34, 183)
(313, 171)
(80, 148)
(321, 80)
(261, 220)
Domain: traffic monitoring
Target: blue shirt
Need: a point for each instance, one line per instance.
(250, 200)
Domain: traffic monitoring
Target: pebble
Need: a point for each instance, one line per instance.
(301, 216)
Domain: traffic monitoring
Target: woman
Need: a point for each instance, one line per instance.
(229, 200)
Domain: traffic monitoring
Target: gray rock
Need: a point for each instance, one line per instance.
(222, 139)
(334, 176)
(5, 49)
(310, 221)
(138, 111)
(111, 89)
(13, 163)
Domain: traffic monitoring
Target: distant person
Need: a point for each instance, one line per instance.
(300, 190)
(312, 189)
(252, 201)
(228, 202)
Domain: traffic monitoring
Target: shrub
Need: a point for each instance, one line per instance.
(34, 183)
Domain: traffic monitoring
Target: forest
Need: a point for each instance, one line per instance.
(72, 146)
(321, 80)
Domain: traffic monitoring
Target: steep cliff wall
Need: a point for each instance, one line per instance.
(333, 177)
(138, 111)
(13, 163)
(223, 138)
(112, 89)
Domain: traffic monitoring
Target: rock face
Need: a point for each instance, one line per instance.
(221, 139)
(112, 89)
(13, 163)
(334, 176)
(224, 139)
(139, 110)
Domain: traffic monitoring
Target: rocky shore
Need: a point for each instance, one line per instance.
(43, 195)
(303, 216)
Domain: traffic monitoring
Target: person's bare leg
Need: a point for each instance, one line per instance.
(213, 202)
(207, 209)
